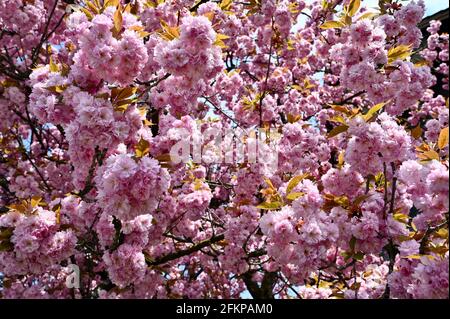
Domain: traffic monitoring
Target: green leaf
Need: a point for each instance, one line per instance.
(368, 15)
(53, 66)
(142, 148)
(225, 5)
(269, 206)
(118, 20)
(346, 255)
(88, 13)
(416, 132)
(269, 183)
(337, 130)
(443, 138)
(442, 233)
(418, 256)
(118, 94)
(358, 200)
(374, 109)
(428, 155)
(57, 88)
(347, 20)
(92, 7)
(402, 218)
(294, 195)
(111, 3)
(353, 7)
(400, 52)
(341, 159)
(219, 40)
(294, 182)
(338, 119)
(359, 255)
(121, 98)
(332, 24)
(169, 33)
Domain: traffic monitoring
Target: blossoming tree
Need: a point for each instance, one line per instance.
(94, 95)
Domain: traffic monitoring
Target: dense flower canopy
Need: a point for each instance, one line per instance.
(347, 195)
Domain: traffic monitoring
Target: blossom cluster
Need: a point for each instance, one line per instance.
(38, 242)
(127, 189)
(313, 138)
(362, 55)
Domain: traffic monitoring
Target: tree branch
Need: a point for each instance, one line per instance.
(188, 251)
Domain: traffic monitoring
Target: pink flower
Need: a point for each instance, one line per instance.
(408, 248)
(125, 265)
(361, 32)
(197, 32)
